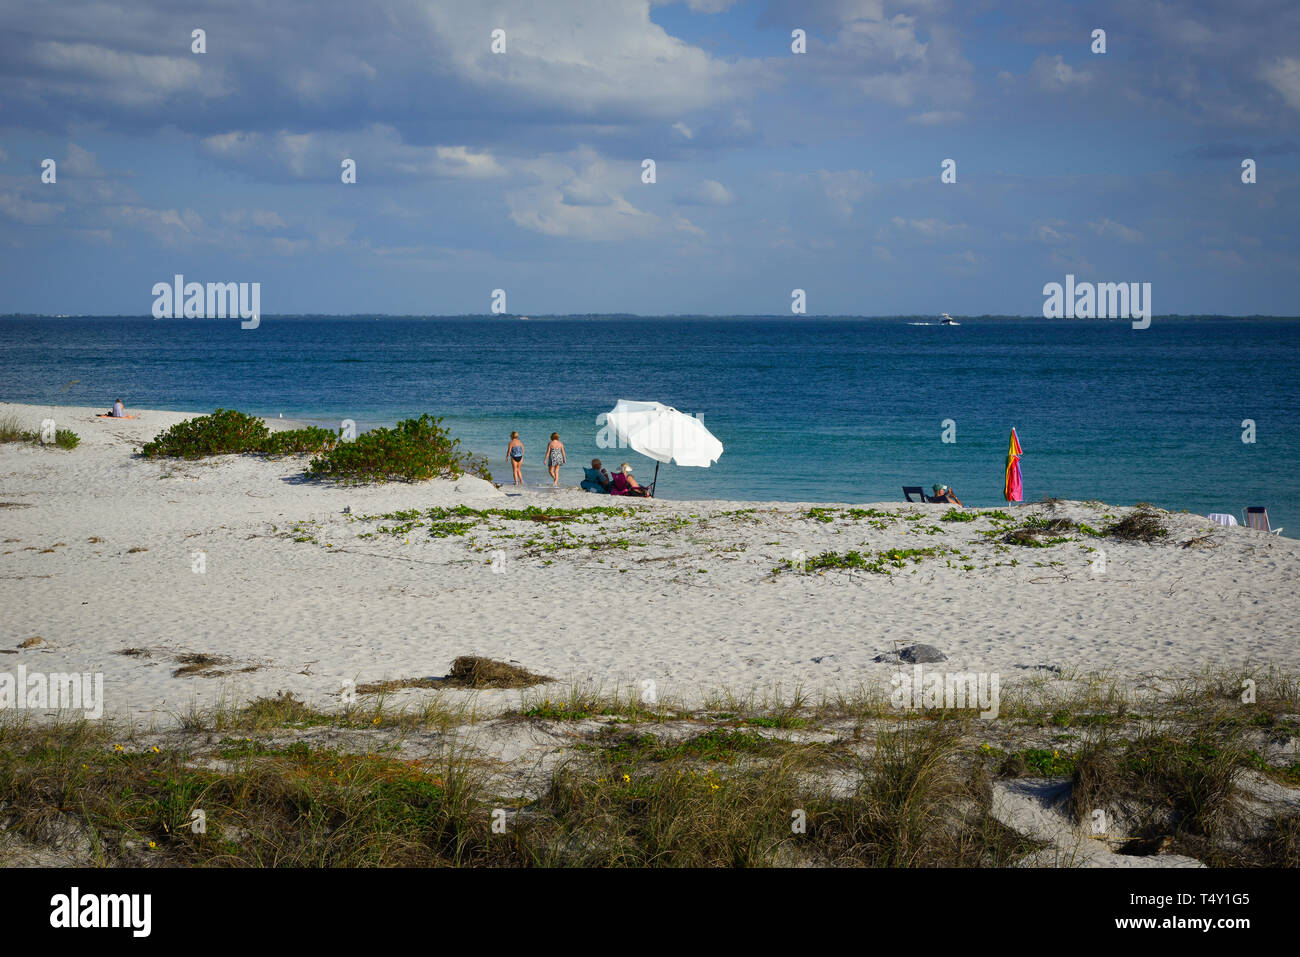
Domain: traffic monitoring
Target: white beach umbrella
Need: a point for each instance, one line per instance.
(662, 433)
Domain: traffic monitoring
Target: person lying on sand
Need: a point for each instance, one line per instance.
(943, 493)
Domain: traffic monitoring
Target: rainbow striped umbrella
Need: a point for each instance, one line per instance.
(1014, 490)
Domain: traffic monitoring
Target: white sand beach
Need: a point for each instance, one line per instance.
(99, 551)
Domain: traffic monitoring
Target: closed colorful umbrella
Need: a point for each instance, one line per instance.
(1014, 490)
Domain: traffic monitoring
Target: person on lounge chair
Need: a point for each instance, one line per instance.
(943, 493)
(597, 479)
(625, 480)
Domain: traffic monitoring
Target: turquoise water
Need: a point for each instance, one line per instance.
(808, 409)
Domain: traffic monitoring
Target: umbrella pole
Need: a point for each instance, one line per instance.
(655, 484)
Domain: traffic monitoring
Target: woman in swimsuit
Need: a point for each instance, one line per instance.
(555, 457)
(633, 486)
(515, 455)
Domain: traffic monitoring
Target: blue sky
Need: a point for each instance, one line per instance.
(775, 170)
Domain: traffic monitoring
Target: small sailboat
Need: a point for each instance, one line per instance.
(948, 320)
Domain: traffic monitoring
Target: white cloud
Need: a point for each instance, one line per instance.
(936, 117)
(1283, 75)
(377, 150)
(261, 218)
(1108, 227)
(708, 192)
(927, 228)
(1049, 233)
(79, 162)
(1053, 74)
(96, 72)
(590, 59)
(584, 175)
(684, 225)
(29, 212)
(844, 189)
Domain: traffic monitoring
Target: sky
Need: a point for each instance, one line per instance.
(775, 170)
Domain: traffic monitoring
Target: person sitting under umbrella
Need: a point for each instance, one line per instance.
(597, 479)
(625, 483)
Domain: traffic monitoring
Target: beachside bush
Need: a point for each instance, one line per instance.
(411, 451)
(228, 432)
(224, 432)
(309, 441)
(11, 430)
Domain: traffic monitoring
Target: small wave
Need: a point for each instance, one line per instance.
(922, 323)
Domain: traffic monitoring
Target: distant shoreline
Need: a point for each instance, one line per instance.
(614, 316)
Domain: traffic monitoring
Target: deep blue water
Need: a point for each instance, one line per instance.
(808, 409)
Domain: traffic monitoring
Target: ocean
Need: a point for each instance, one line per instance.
(808, 409)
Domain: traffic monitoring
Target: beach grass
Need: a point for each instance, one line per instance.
(752, 779)
(11, 430)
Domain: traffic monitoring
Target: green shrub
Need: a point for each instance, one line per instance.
(311, 440)
(227, 432)
(411, 451)
(66, 439)
(224, 432)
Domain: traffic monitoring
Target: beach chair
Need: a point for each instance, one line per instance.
(1256, 517)
(910, 490)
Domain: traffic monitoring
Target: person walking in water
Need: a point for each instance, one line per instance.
(515, 455)
(555, 458)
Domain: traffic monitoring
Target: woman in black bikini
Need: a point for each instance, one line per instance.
(515, 455)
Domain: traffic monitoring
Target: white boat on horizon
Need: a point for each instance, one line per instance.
(948, 320)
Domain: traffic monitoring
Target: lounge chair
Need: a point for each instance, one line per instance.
(1256, 517)
(910, 490)
(619, 486)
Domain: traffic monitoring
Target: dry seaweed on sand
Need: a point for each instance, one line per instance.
(470, 671)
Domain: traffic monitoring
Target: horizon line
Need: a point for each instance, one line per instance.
(635, 315)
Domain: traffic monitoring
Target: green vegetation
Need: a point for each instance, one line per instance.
(224, 432)
(445, 522)
(11, 430)
(228, 432)
(728, 786)
(880, 563)
(415, 449)
(411, 451)
(307, 441)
